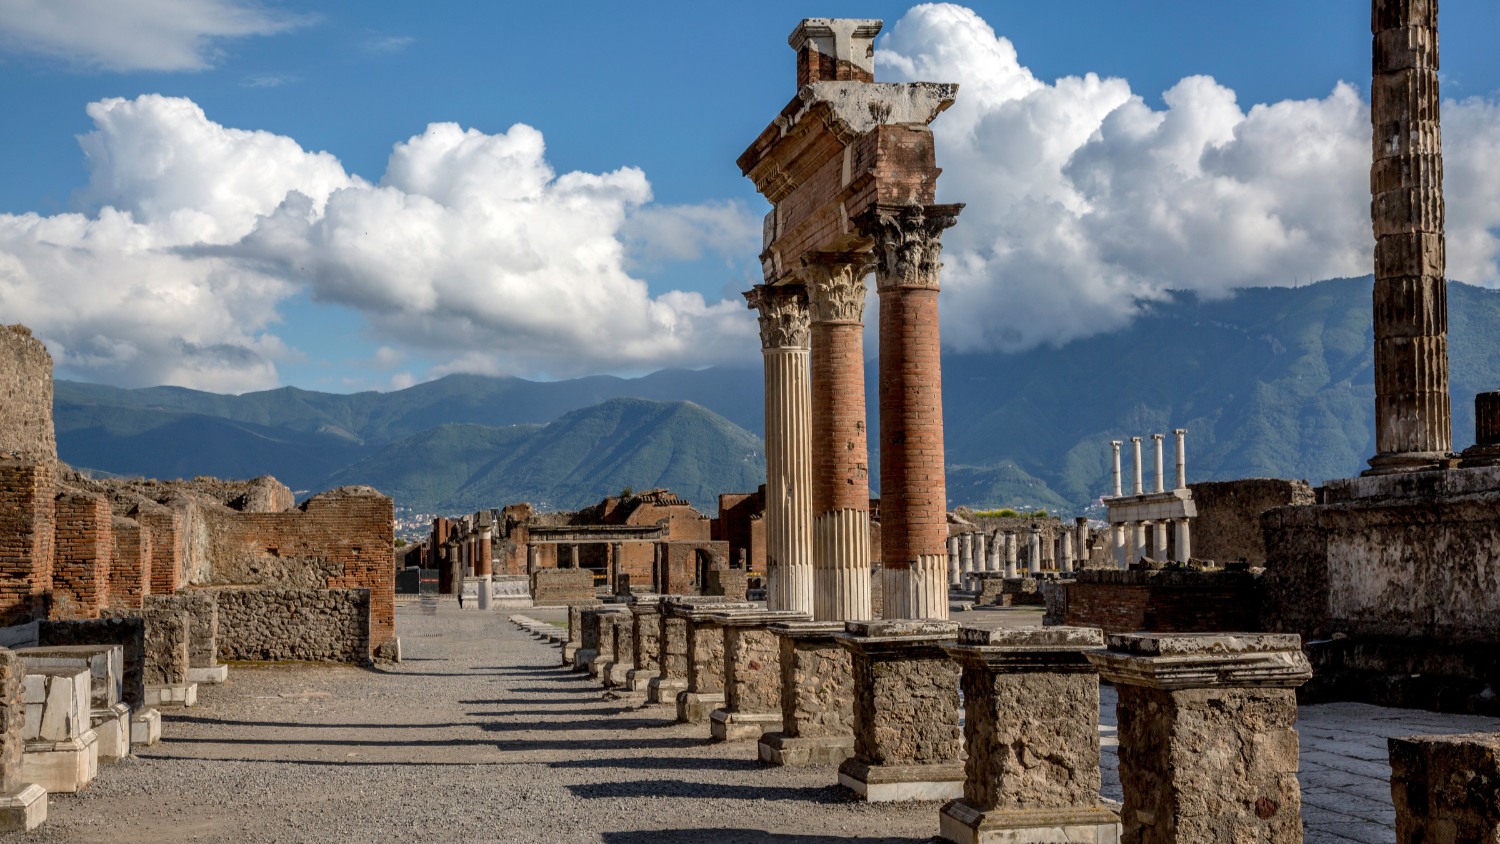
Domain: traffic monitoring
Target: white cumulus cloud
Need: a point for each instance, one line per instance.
(1082, 200)
(135, 35)
(470, 249)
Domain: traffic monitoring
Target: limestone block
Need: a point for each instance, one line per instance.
(57, 704)
(145, 727)
(1446, 788)
(105, 664)
(64, 767)
(210, 676)
(174, 695)
(112, 726)
(816, 702)
(24, 809)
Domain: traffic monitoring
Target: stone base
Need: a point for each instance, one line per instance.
(596, 666)
(892, 783)
(639, 679)
(615, 674)
(511, 603)
(780, 749)
(145, 728)
(664, 690)
(582, 657)
(176, 694)
(24, 810)
(113, 729)
(696, 707)
(211, 676)
(62, 766)
(742, 726)
(569, 653)
(961, 823)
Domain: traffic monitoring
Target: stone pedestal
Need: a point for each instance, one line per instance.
(602, 622)
(24, 809)
(1031, 703)
(1207, 748)
(752, 676)
(646, 630)
(907, 744)
(112, 726)
(23, 805)
(575, 636)
(172, 695)
(1444, 788)
(109, 715)
(705, 660)
(817, 710)
(671, 678)
(145, 727)
(61, 751)
(211, 675)
(615, 673)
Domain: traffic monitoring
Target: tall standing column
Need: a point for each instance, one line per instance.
(1010, 554)
(1184, 540)
(966, 557)
(484, 561)
(1114, 446)
(1034, 552)
(1065, 558)
(1135, 444)
(1413, 426)
(784, 341)
(1081, 526)
(840, 452)
(1158, 441)
(981, 552)
(955, 572)
(914, 498)
(1181, 435)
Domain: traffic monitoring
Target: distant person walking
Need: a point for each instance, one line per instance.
(460, 600)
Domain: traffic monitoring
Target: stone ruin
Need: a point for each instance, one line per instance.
(118, 597)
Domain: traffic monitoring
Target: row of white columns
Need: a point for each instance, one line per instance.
(1160, 442)
(975, 552)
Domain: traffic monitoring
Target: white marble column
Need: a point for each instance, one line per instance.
(1118, 546)
(1158, 441)
(1135, 444)
(981, 552)
(955, 572)
(1081, 543)
(784, 338)
(1034, 551)
(1114, 446)
(1159, 539)
(1181, 435)
(996, 562)
(1137, 541)
(1184, 540)
(1065, 561)
(1011, 567)
(966, 558)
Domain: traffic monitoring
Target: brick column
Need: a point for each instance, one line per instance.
(84, 543)
(784, 338)
(1207, 748)
(26, 499)
(1413, 425)
(913, 481)
(130, 570)
(841, 472)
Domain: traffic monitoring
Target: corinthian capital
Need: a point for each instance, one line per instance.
(783, 315)
(836, 286)
(908, 243)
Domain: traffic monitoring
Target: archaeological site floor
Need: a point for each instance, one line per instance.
(480, 736)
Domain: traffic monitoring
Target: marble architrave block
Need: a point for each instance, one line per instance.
(752, 676)
(1208, 752)
(105, 664)
(907, 743)
(1031, 700)
(817, 709)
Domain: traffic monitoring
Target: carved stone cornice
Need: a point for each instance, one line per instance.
(908, 243)
(784, 317)
(836, 285)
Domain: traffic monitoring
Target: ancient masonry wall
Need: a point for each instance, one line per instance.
(1163, 601)
(128, 632)
(315, 625)
(165, 645)
(202, 609)
(346, 534)
(27, 523)
(1227, 527)
(130, 568)
(12, 716)
(25, 395)
(164, 525)
(84, 543)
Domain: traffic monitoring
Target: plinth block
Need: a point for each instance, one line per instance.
(893, 783)
(778, 748)
(172, 695)
(961, 823)
(112, 726)
(742, 726)
(24, 810)
(696, 707)
(213, 675)
(145, 727)
(664, 689)
(62, 766)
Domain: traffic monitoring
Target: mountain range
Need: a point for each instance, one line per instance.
(1268, 382)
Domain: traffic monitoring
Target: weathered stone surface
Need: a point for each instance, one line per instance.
(752, 681)
(1164, 600)
(105, 664)
(705, 655)
(26, 390)
(646, 629)
(1446, 788)
(127, 632)
(906, 710)
(57, 704)
(562, 587)
(314, 625)
(672, 636)
(816, 674)
(12, 720)
(1227, 527)
(166, 644)
(202, 607)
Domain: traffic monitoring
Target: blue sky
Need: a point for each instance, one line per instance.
(572, 278)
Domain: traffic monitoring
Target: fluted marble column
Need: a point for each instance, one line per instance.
(1010, 554)
(913, 479)
(1413, 424)
(1081, 526)
(840, 451)
(1034, 551)
(955, 571)
(784, 340)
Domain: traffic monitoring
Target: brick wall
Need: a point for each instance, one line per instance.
(348, 533)
(130, 568)
(84, 554)
(562, 587)
(27, 519)
(164, 525)
(1164, 601)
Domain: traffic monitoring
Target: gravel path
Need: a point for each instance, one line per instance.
(478, 736)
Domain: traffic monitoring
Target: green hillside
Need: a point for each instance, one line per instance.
(569, 463)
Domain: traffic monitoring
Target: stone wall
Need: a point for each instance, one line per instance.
(202, 608)
(312, 625)
(562, 587)
(130, 567)
(27, 524)
(337, 540)
(84, 552)
(25, 396)
(128, 632)
(1227, 527)
(165, 646)
(12, 718)
(1163, 601)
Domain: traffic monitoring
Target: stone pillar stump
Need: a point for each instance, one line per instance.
(705, 660)
(646, 626)
(614, 673)
(671, 676)
(1031, 704)
(752, 676)
(1444, 788)
(1207, 749)
(817, 710)
(907, 744)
